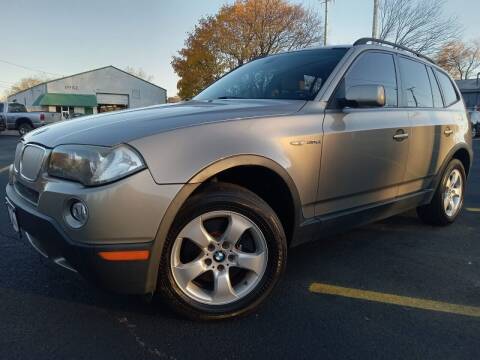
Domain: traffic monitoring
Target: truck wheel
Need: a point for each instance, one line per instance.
(24, 128)
(448, 199)
(223, 255)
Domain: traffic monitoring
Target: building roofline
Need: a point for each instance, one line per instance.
(85, 72)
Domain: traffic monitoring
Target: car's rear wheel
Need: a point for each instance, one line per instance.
(24, 128)
(223, 255)
(448, 199)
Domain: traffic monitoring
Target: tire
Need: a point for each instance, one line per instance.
(200, 300)
(437, 212)
(24, 128)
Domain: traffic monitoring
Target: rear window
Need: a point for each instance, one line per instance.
(16, 108)
(449, 93)
(416, 91)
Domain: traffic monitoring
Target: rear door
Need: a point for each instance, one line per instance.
(417, 96)
(450, 117)
(433, 123)
(363, 158)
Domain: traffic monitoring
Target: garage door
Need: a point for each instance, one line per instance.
(113, 99)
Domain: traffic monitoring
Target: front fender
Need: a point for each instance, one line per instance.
(193, 154)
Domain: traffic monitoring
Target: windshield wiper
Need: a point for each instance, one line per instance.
(228, 97)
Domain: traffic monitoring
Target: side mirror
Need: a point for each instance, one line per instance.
(361, 96)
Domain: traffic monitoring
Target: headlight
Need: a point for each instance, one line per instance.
(94, 165)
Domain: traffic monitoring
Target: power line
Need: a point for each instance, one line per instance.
(28, 68)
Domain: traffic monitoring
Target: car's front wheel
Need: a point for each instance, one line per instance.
(223, 255)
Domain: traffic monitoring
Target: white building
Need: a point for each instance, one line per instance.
(91, 92)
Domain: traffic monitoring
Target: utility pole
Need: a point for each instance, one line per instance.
(325, 30)
(375, 19)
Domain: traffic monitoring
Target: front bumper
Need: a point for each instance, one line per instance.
(116, 224)
(49, 239)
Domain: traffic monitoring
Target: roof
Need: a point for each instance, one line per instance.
(86, 72)
(468, 85)
(66, 100)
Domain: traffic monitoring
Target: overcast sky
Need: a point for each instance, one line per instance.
(63, 37)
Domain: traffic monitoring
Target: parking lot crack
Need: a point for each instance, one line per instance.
(132, 330)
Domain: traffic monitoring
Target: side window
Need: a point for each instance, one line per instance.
(437, 95)
(416, 91)
(16, 108)
(449, 93)
(372, 69)
(1, 107)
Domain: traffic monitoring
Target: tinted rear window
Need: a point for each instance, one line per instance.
(416, 91)
(449, 93)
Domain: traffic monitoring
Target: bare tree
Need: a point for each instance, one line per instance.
(138, 73)
(418, 24)
(460, 59)
(25, 83)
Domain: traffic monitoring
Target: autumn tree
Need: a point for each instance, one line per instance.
(460, 59)
(138, 72)
(417, 24)
(239, 33)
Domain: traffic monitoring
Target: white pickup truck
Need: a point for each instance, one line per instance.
(14, 116)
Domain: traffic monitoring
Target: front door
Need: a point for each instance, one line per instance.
(364, 150)
(421, 95)
(65, 112)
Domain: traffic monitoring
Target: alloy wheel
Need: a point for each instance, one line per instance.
(219, 257)
(452, 196)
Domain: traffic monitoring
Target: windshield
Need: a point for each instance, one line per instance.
(296, 75)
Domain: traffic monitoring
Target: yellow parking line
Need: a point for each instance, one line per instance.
(4, 169)
(395, 299)
(473, 209)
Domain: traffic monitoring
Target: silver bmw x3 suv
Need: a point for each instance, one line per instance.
(200, 201)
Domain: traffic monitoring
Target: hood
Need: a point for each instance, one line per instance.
(110, 129)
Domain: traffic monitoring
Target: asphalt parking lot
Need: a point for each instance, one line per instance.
(398, 290)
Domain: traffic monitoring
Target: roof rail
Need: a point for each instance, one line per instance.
(366, 40)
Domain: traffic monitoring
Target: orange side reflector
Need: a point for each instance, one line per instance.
(125, 255)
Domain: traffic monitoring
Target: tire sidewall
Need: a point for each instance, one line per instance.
(454, 164)
(27, 128)
(250, 206)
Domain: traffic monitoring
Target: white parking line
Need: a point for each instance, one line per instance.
(4, 169)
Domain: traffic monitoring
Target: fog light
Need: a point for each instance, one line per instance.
(79, 212)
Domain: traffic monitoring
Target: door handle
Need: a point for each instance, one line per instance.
(400, 135)
(448, 131)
